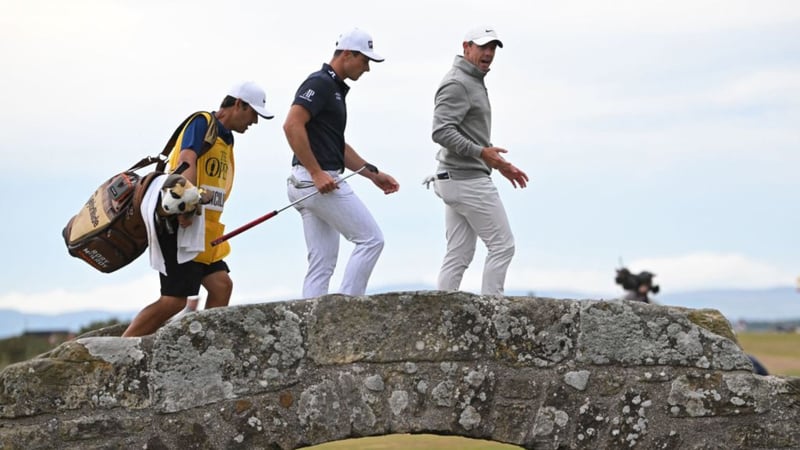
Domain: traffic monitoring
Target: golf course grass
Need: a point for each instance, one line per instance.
(778, 352)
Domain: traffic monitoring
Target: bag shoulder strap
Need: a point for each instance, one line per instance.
(161, 159)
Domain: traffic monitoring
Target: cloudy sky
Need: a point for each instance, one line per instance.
(658, 134)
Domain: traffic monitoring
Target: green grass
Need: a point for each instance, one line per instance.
(414, 442)
(22, 348)
(778, 352)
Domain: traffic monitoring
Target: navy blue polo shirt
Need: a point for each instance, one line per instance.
(322, 95)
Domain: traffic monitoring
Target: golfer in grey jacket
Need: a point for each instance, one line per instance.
(462, 122)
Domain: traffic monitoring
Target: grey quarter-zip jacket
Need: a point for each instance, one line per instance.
(462, 121)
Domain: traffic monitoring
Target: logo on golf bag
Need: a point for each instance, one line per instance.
(109, 232)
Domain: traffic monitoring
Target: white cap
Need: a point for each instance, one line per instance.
(482, 36)
(254, 96)
(358, 41)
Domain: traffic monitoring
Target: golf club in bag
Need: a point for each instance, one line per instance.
(272, 214)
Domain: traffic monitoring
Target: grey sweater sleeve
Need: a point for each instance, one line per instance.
(451, 106)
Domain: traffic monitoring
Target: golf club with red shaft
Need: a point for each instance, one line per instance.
(272, 214)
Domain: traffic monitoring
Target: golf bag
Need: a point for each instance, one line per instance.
(109, 231)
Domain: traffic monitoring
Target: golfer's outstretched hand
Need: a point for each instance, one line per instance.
(517, 177)
(386, 183)
(493, 157)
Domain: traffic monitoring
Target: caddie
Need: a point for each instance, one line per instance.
(183, 255)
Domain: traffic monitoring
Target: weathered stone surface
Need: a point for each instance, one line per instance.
(539, 373)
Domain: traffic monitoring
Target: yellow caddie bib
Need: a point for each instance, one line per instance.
(215, 170)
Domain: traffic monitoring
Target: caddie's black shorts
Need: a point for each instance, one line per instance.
(183, 280)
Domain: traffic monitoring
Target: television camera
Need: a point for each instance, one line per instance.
(638, 284)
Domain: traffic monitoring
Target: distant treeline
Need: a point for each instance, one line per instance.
(789, 326)
(34, 343)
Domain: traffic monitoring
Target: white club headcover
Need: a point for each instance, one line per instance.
(178, 195)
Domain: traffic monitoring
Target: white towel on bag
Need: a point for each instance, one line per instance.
(148, 209)
(191, 240)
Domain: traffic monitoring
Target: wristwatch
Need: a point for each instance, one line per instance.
(371, 168)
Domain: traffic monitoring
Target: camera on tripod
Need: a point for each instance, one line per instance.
(633, 282)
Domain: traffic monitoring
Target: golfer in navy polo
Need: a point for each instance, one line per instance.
(315, 128)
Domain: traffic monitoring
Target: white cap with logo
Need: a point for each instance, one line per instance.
(253, 95)
(482, 36)
(358, 41)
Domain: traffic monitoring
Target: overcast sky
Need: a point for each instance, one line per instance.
(660, 134)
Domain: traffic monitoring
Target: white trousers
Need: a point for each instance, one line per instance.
(325, 218)
(473, 209)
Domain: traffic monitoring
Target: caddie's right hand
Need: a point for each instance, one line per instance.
(185, 220)
(324, 182)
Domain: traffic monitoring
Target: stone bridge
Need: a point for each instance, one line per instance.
(535, 372)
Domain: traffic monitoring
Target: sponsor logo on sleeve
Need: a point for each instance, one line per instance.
(307, 95)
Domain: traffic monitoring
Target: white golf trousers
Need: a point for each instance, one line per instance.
(473, 209)
(325, 218)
